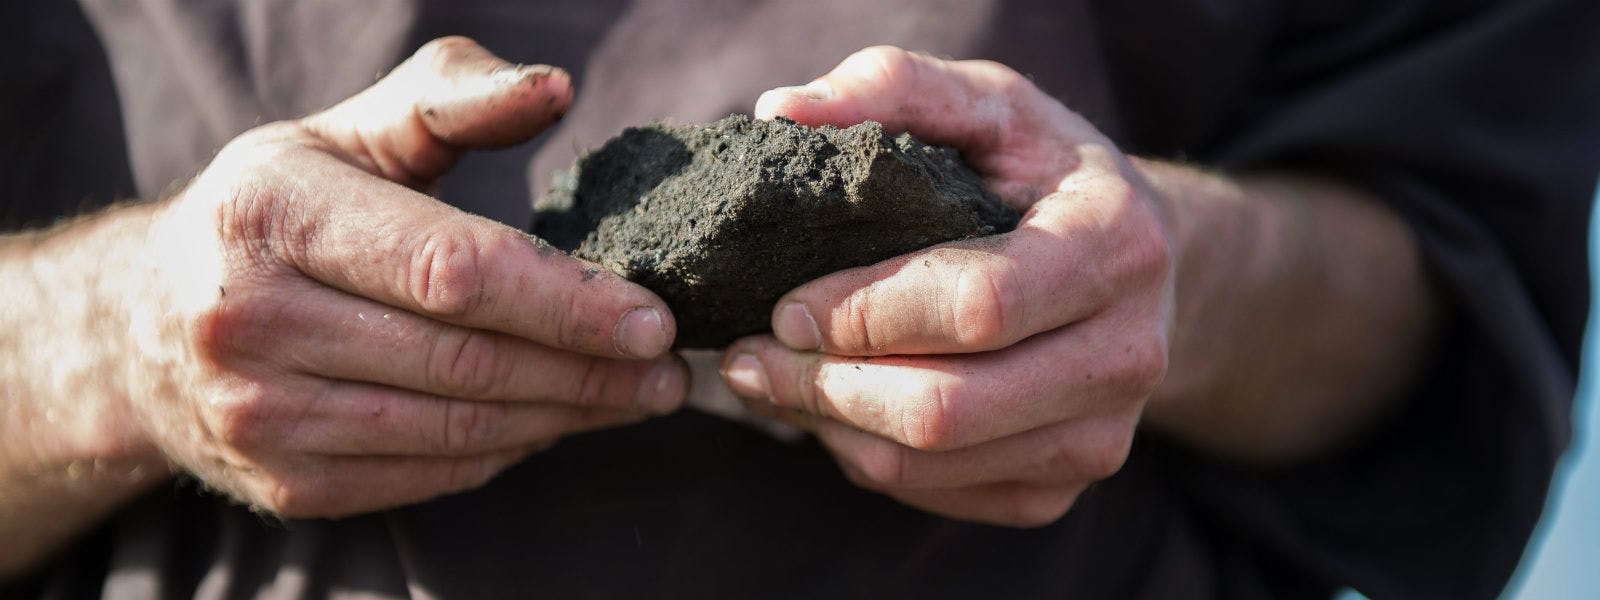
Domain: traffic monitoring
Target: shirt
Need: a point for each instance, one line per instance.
(1474, 120)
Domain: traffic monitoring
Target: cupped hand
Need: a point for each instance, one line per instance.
(319, 337)
(991, 379)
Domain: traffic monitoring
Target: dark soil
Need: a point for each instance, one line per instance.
(722, 219)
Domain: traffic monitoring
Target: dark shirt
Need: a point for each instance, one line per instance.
(1475, 120)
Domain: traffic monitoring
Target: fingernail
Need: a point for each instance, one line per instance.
(816, 90)
(507, 74)
(746, 377)
(662, 390)
(640, 333)
(795, 327)
(516, 74)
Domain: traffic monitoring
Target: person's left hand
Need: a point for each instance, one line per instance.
(990, 379)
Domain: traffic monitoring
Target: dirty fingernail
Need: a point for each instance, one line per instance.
(662, 389)
(538, 70)
(507, 74)
(640, 333)
(746, 377)
(795, 328)
(516, 74)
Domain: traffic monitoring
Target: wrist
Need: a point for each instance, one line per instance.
(65, 346)
(71, 447)
(1217, 243)
(1303, 311)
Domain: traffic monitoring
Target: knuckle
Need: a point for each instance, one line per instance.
(1088, 457)
(446, 275)
(245, 420)
(237, 324)
(442, 50)
(254, 218)
(859, 314)
(1007, 80)
(468, 363)
(244, 197)
(813, 390)
(929, 423)
(292, 497)
(245, 159)
(1038, 508)
(1013, 91)
(572, 330)
(856, 477)
(857, 474)
(470, 426)
(599, 386)
(884, 466)
(248, 208)
(1149, 252)
(988, 306)
(1105, 458)
(1141, 365)
(1061, 457)
(1135, 236)
(472, 472)
(217, 329)
(888, 63)
(808, 390)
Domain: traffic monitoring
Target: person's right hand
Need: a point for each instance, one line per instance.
(319, 338)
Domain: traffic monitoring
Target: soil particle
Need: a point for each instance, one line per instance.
(722, 219)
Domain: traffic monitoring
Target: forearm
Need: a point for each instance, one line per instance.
(1303, 313)
(69, 452)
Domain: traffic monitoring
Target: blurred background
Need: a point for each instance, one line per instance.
(1563, 561)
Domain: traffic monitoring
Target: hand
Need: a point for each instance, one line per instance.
(990, 379)
(318, 340)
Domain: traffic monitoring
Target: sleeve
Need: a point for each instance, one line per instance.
(61, 145)
(1479, 123)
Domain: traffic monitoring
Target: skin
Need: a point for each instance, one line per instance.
(304, 330)
(1263, 319)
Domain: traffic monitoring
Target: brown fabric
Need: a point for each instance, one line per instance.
(1474, 119)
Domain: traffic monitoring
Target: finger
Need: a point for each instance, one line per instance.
(356, 419)
(1064, 454)
(335, 335)
(708, 394)
(1000, 504)
(327, 487)
(451, 95)
(1069, 259)
(376, 239)
(905, 91)
(1016, 136)
(948, 402)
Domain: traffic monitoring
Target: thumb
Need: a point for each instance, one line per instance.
(452, 95)
(1020, 139)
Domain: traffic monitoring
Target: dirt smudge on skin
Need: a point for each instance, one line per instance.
(542, 247)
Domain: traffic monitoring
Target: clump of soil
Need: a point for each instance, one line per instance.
(722, 219)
